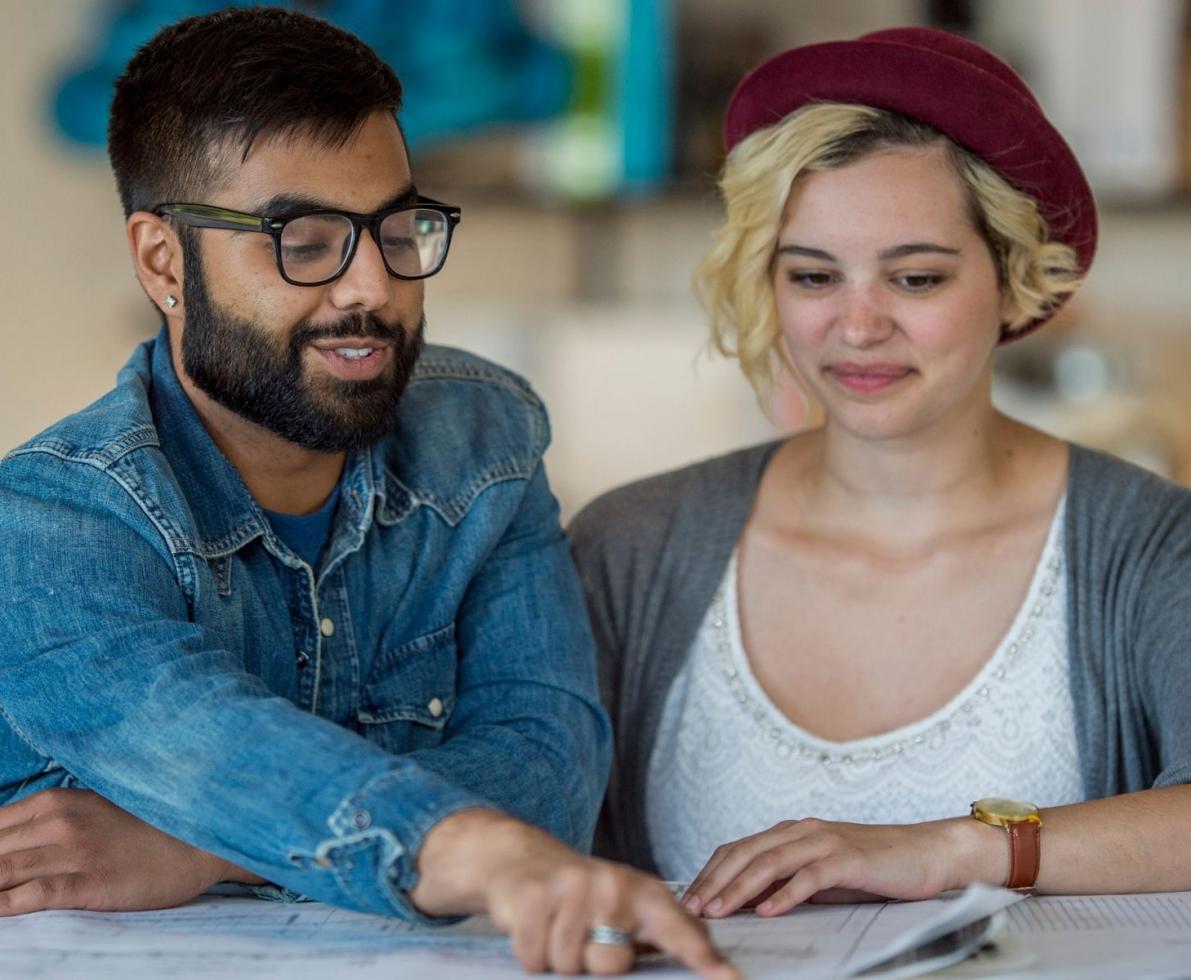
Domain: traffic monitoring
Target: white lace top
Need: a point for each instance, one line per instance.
(728, 763)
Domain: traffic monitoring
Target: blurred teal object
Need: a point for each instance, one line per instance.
(646, 94)
(464, 64)
(617, 132)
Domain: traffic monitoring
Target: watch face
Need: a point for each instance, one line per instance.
(1004, 809)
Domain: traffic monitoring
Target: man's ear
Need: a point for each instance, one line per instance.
(157, 259)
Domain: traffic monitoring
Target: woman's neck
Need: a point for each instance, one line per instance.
(912, 490)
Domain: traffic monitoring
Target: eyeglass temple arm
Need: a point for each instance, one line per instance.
(206, 216)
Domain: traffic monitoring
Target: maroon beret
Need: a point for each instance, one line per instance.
(952, 85)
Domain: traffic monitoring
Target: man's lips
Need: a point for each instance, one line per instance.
(867, 378)
(371, 359)
(354, 343)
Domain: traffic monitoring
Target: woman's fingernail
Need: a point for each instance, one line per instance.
(765, 908)
(714, 906)
(692, 903)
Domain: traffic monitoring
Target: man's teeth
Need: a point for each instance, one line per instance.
(353, 353)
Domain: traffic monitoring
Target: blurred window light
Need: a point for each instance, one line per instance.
(1081, 373)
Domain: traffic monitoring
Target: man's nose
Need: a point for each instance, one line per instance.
(365, 283)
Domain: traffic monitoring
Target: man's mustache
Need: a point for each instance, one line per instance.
(352, 325)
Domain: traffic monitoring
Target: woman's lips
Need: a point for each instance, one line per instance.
(866, 379)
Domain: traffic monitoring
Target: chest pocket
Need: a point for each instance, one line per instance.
(408, 699)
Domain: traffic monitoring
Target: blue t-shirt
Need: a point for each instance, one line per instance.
(306, 534)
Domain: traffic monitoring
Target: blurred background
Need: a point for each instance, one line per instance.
(581, 138)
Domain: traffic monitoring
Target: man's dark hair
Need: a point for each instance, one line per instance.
(204, 90)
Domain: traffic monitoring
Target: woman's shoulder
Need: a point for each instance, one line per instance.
(712, 491)
(1105, 485)
(1118, 509)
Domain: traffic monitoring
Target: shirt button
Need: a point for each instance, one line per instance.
(326, 627)
(302, 659)
(434, 707)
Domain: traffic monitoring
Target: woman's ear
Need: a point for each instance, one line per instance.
(157, 260)
(1010, 311)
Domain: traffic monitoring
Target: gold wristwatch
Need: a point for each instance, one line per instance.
(1023, 825)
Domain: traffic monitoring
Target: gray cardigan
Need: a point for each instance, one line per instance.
(650, 556)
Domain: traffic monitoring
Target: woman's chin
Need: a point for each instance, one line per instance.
(873, 424)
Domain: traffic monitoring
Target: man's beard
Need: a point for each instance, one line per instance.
(259, 377)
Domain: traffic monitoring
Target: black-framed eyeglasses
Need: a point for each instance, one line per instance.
(316, 247)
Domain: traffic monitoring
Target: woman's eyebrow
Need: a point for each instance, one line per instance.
(896, 252)
(913, 248)
(808, 253)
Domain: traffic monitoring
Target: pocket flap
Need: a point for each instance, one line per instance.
(414, 682)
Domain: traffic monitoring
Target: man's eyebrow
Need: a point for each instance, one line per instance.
(286, 205)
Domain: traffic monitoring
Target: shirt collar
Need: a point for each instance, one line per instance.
(225, 513)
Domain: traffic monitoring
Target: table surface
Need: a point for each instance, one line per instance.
(221, 936)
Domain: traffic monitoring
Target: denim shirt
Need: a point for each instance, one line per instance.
(164, 648)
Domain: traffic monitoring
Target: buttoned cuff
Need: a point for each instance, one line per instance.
(378, 834)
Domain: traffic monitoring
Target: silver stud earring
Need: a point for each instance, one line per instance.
(171, 301)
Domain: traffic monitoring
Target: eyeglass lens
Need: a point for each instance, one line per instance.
(314, 247)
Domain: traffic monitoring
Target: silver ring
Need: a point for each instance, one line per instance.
(609, 936)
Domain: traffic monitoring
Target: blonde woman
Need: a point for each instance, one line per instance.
(819, 652)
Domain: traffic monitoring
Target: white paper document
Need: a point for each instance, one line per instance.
(955, 933)
(216, 936)
(1092, 937)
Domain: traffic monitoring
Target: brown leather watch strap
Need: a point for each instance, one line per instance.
(1025, 853)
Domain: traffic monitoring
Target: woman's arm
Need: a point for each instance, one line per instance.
(1138, 842)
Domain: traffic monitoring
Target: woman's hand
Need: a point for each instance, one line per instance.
(798, 860)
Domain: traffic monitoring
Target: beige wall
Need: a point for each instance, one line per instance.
(74, 309)
(71, 311)
(628, 390)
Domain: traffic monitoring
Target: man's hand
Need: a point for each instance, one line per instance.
(546, 897)
(799, 860)
(72, 849)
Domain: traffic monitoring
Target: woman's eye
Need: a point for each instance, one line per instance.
(918, 282)
(811, 280)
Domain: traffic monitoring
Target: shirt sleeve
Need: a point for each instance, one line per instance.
(106, 673)
(528, 731)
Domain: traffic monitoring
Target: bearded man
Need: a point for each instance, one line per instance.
(291, 606)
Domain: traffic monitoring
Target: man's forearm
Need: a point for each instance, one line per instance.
(453, 862)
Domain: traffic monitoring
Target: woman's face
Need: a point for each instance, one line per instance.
(887, 295)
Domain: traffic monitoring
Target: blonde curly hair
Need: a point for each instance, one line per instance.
(734, 280)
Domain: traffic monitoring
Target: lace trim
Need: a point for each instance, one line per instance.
(789, 739)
